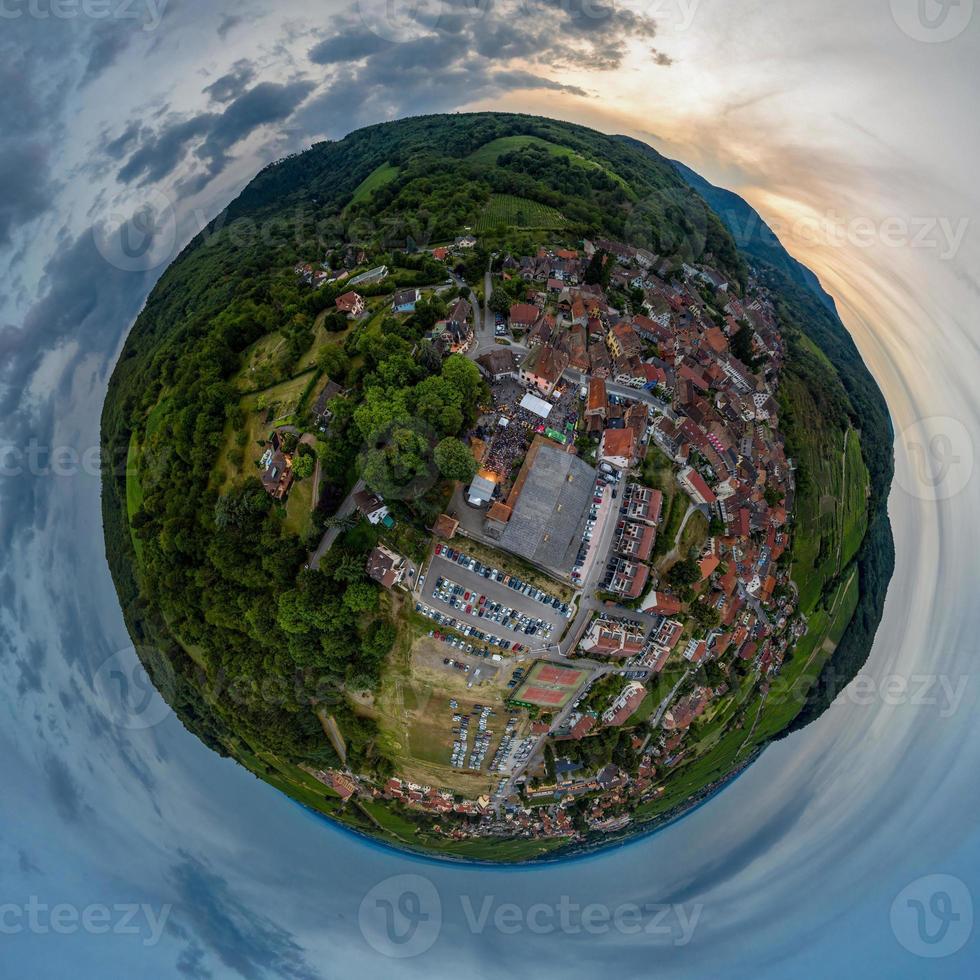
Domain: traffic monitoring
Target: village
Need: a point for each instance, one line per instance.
(613, 583)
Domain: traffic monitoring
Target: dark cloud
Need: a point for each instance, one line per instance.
(64, 790)
(116, 149)
(26, 183)
(232, 84)
(266, 103)
(25, 864)
(349, 46)
(213, 134)
(245, 941)
(158, 156)
(110, 40)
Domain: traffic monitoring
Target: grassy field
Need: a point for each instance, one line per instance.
(264, 363)
(413, 713)
(377, 178)
(299, 507)
(831, 505)
(487, 155)
(134, 492)
(518, 212)
(283, 400)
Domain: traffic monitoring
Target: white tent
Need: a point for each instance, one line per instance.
(537, 405)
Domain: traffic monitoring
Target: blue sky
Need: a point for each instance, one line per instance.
(853, 132)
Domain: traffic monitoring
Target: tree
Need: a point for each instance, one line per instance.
(361, 597)
(685, 572)
(454, 460)
(500, 302)
(333, 362)
(464, 376)
(400, 467)
(303, 466)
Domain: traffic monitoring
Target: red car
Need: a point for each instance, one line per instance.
(438, 549)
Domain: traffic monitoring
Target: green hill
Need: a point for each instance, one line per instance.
(286, 668)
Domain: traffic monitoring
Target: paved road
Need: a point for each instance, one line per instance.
(332, 533)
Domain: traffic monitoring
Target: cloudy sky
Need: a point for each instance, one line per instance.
(850, 127)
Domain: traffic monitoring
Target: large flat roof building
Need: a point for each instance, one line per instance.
(549, 504)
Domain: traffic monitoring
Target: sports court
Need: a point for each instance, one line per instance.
(549, 686)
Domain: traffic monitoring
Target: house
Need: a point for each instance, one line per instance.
(350, 303)
(386, 567)
(622, 340)
(618, 447)
(373, 508)
(498, 363)
(404, 300)
(523, 316)
(662, 603)
(699, 491)
(598, 402)
(321, 406)
(277, 473)
(625, 703)
(628, 578)
(445, 527)
(543, 367)
(614, 638)
(643, 503)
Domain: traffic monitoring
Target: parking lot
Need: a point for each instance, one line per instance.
(519, 613)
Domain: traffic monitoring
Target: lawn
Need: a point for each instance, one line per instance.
(382, 175)
(280, 401)
(518, 212)
(134, 492)
(488, 153)
(299, 507)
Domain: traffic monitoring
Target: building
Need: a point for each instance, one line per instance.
(350, 303)
(445, 527)
(618, 447)
(643, 503)
(614, 638)
(523, 316)
(498, 363)
(373, 508)
(386, 567)
(404, 300)
(625, 703)
(371, 276)
(481, 490)
(544, 518)
(693, 483)
(543, 368)
(321, 406)
(628, 578)
(598, 401)
(277, 470)
(623, 341)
